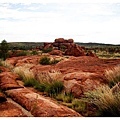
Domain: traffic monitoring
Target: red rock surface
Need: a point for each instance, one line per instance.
(8, 81)
(3, 69)
(18, 61)
(56, 52)
(38, 105)
(8, 109)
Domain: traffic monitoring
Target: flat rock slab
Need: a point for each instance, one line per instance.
(8, 81)
(8, 109)
(38, 105)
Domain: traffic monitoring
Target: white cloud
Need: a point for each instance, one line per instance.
(82, 22)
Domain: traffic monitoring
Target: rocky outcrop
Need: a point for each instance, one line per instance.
(68, 46)
(38, 105)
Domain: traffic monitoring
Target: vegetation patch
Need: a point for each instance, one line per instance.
(47, 61)
(105, 100)
(113, 76)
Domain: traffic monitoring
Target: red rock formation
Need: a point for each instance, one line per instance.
(75, 50)
(47, 46)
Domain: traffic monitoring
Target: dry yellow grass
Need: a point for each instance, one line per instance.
(113, 75)
(107, 102)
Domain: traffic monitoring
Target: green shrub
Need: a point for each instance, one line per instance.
(30, 82)
(45, 60)
(21, 53)
(54, 88)
(78, 105)
(108, 103)
(65, 97)
(34, 52)
(41, 87)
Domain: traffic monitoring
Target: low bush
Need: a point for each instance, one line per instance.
(79, 105)
(65, 97)
(34, 52)
(21, 53)
(30, 82)
(54, 88)
(45, 60)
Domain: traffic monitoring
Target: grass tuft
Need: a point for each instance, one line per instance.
(107, 102)
(113, 76)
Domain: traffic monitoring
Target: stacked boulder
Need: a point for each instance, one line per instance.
(68, 47)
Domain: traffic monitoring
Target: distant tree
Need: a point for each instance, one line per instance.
(4, 49)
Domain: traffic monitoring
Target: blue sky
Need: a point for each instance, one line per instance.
(35, 21)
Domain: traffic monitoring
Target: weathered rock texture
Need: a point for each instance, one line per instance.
(38, 105)
(8, 109)
(8, 81)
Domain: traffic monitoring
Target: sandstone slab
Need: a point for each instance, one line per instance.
(38, 105)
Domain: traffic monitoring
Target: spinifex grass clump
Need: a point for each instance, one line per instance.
(45, 60)
(113, 76)
(50, 83)
(26, 75)
(43, 83)
(65, 97)
(107, 102)
(78, 105)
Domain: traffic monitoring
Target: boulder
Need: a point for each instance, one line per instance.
(56, 52)
(48, 46)
(80, 82)
(75, 50)
(59, 40)
(72, 86)
(70, 41)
